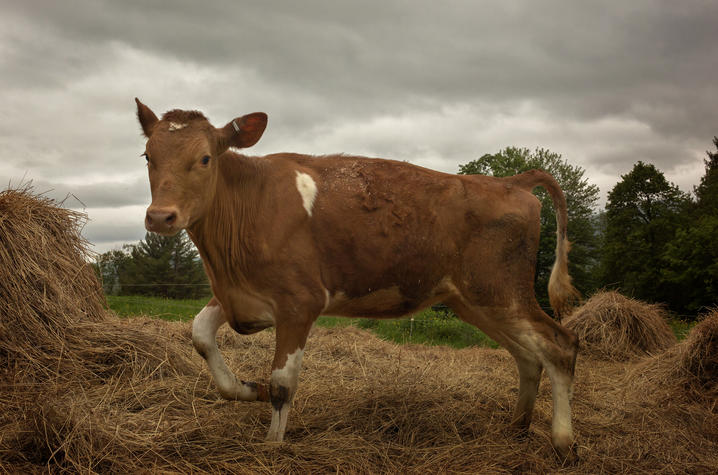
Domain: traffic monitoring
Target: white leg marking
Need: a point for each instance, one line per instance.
(285, 377)
(279, 423)
(204, 330)
(288, 375)
(561, 429)
(327, 299)
(561, 387)
(307, 189)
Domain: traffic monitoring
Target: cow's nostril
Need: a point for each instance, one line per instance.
(158, 219)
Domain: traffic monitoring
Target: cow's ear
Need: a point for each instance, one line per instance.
(243, 131)
(147, 118)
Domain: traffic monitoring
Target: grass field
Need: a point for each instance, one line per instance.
(157, 307)
(427, 327)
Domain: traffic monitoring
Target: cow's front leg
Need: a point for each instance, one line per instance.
(285, 373)
(204, 331)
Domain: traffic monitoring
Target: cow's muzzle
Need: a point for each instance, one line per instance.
(161, 220)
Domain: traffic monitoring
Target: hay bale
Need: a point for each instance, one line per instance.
(54, 323)
(58, 343)
(698, 360)
(613, 327)
(44, 282)
(43, 264)
(687, 372)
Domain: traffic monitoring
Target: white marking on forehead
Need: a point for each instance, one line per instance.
(307, 189)
(176, 126)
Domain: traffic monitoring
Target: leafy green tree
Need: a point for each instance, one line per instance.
(707, 191)
(581, 198)
(691, 258)
(109, 266)
(165, 266)
(643, 213)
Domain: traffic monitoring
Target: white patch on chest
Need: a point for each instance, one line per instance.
(176, 126)
(307, 190)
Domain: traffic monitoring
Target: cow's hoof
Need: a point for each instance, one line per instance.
(519, 428)
(274, 437)
(567, 454)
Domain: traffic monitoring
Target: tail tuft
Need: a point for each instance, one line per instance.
(561, 292)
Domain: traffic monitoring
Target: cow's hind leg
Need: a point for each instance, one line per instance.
(536, 342)
(204, 331)
(529, 378)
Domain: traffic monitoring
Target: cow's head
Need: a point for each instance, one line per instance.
(182, 152)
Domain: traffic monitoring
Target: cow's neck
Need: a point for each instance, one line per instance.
(223, 235)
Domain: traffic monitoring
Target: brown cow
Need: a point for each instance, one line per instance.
(285, 238)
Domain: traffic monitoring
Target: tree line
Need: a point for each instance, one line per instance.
(652, 241)
(163, 266)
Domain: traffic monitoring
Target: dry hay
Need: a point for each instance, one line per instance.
(83, 391)
(613, 327)
(686, 372)
(679, 387)
(52, 300)
(56, 339)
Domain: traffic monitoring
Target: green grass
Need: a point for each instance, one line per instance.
(681, 328)
(156, 307)
(428, 327)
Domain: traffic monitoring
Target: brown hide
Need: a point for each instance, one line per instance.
(384, 238)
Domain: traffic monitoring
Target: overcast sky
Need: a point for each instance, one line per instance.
(437, 83)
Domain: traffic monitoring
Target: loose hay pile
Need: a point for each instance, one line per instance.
(616, 328)
(688, 371)
(83, 391)
(57, 343)
(54, 324)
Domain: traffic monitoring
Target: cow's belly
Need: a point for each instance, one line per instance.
(387, 302)
(247, 311)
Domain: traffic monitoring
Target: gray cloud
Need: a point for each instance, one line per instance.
(436, 83)
(115, 236)
(99, 195)
(108, 228)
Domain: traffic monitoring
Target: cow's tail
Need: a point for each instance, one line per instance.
(561, 293)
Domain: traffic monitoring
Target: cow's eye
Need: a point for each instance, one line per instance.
(147, 157)
(205, 160)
